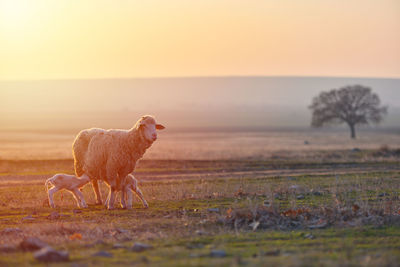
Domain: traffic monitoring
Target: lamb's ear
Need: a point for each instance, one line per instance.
(160, 127)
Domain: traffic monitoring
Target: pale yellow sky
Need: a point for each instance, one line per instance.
(101, 39)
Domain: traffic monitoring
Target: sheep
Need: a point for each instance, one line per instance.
(68, 182)
(129, 185)
(110, 155)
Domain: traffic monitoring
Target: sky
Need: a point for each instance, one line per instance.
(65, 39)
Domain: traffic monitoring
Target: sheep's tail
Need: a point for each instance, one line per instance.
(79, 148)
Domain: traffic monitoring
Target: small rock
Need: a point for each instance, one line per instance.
(48, 254)
(306, 142)
(318, 226)
(32, 243)
(121, 231)
(356, 150)
(294, 187)
(76, 211)
(274, 252)
(218, 253)
(7, 248)
(300, 197)
(383, 195)
(54, 216)
(266, 203)
(195, 245)
(118, 246)
(105, 254)
(139, 247)
(200, 232)
(254, 225)
(213, 209)
(317, 193)
(11, 231)
(309, 236)
(28, 218)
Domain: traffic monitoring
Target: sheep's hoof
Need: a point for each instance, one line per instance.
(110, 208)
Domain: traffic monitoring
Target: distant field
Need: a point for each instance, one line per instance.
(205, 145)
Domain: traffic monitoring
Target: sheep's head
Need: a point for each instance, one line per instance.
(148, 126)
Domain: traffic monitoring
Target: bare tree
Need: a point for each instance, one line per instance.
(353, 105)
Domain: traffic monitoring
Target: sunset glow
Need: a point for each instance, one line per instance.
(102, 39)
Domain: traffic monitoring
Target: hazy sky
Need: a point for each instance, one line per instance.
(99, 39)
(179, 102)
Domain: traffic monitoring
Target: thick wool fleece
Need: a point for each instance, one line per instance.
(109, 155)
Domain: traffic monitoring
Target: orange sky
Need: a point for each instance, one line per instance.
(101, 39)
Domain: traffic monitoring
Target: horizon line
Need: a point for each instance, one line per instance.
(198, 77)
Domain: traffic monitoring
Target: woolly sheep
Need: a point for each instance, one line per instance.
(68, 182)
(110, 155)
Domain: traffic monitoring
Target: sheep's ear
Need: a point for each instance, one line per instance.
(159, 127)
(142, 122)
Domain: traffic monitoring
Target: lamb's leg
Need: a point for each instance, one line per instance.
(96, 189)
(50, 194)
(128, 198)
(139, 193)
(76, 196)
(80, 199)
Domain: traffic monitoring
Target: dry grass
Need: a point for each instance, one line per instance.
(303, 207)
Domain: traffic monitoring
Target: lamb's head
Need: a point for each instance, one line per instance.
(148, 127)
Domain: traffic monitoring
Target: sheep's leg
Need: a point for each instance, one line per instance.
(111, 197)
(50, 195)
(80, 199)
(111, 194)
(123, 203)
(139, 193)
(107, 200)
(96, 189)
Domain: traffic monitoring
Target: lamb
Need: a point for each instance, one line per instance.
(129, 185)
(110, 155)
(68, 182)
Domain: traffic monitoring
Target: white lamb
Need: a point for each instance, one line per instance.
(129, 185)
(68, 182)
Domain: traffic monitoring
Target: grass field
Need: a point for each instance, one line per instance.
(324, 208)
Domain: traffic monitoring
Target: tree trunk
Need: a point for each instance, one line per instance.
(353, 131)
